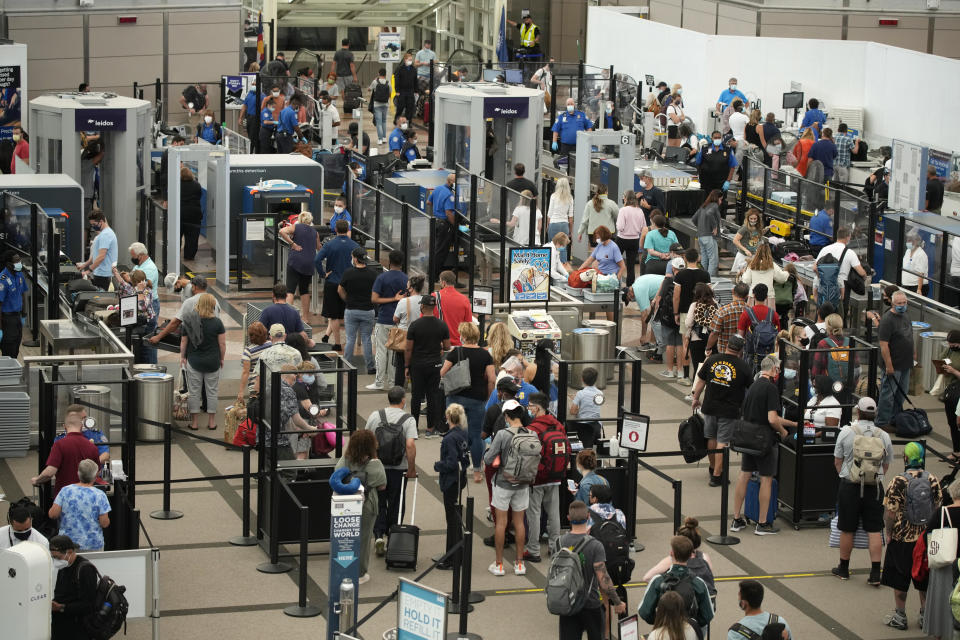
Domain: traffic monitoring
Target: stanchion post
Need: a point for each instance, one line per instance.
(723, 538)
(245, 540)
(166, 513)
(467, 596)
(677, 507)
(301, 609)
(274, 565)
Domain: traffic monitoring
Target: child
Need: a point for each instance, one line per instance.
(452, 465)
(585, 409)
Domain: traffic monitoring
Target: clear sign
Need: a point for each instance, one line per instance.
(529, 274)
(388, 47)
(421, 612)
(633, 434)
(128, 311)
(482, 300)
(630, 628)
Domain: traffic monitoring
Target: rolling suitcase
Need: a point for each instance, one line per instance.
(351, 96)
(403, 540)
(751, 503)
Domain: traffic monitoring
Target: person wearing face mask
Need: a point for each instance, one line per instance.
(897, 349)
(82, 509)
(340, 213)
(717, 164)
(332, 87)
(565, 129)
(728, 95)
(20, 529)
(209, 129)
(610, 119)
(380, 103)
(329, 121)
(951, 392)
(915, 266)
(405, 84)
(135, 283)
(397, 138)
(288, 127)
(22, 148)
(674, 116)
(75, 593)
(103, 252)
(274, 94)
(755, 619)
(269, 117)
(410, 152)
(13, 285)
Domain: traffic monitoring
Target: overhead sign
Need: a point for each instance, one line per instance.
(388, 47)
(506, 107)
(942, 161)
(421, 612)
(633, 434)
(100, 120)
(529, 274)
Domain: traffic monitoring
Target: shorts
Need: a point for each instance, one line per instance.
(297, 280)
(505, 499)
(898, 567)
(300, 444)
(333, 305)
(671, 336)
(765, 466)
(852, 510)
(673, 132)
(719, 429)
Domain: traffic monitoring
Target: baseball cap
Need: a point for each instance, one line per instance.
(736, 342)
(507, 384)
(61, 544)
(428, 301)
(509, 405)
(277, 330)
(661, 84)
(676, 246)
(867, 404)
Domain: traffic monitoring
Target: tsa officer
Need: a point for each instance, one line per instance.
(717, 164)
(249, 118)
(566, 127)
(268, 124)
(397, 137)
(445, 213)
(13, 285)
(288, 129)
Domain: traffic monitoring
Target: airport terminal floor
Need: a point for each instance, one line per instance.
(209, 588)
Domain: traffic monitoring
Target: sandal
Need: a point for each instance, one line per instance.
(213, 428)
(193, 428)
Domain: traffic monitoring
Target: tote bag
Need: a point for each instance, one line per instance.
(942, 543)
(397, 337)
(457, 378)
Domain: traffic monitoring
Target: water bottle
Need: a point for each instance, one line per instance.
(105, 474)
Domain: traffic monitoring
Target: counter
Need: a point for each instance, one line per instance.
(65, 336)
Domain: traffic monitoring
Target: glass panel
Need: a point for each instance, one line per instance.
(419, 261)
(258, 244)
(920, 256)
(16, 223)
(391, 224)
(456, 146)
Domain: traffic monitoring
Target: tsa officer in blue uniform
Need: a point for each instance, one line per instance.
(268, 124)
(289, 126)
(250, 118)
(445, 212)
(13, 285)
(396, 138)
(566, 127)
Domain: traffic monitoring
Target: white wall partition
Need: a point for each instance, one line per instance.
(841, 73)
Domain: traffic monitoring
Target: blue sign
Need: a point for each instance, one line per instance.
(100, 120)
(506, 107)
(233, 83)
(530, 274)
(421, 612)
(345, 514)
(942, 162)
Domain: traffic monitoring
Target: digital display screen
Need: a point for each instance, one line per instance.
(793, 100)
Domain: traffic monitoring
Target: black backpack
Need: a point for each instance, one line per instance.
(665, 307)
(684, 586)
(818, 333)
(110, 607)
(47, 527)
(616, 545)
(381, 92)
(391, 444)
(693, 443)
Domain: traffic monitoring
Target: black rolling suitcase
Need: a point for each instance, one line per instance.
(403, 540)
(351, 96)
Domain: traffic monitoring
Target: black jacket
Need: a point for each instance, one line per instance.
(76, 589)
(405, 79)
(190, 210)
(454, 459)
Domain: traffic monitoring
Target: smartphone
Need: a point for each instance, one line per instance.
(572, 486)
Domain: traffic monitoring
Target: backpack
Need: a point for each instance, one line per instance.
(868, 454)
(615, 543)
(567, 592)
(699, 567)
(783, 291)
(750, 634)
(693, 443)
(665, 307)
(919, 498)
(683, 585)
(762, 337)
(522, 459)
(381, 92)
(554, 456)
(703, 315)
(838, 360)
(391, 444)
(246, 433)
(109, 607)
(828, 272)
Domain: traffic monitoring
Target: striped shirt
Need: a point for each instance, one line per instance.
(251, 354)
(725, 322)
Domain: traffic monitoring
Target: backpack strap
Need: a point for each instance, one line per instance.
(383, 418)
(752, 315)
(840, 260)
(770, 313)
(744, 632)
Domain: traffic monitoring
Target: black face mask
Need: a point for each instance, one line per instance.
(22, 536)
(886, 302)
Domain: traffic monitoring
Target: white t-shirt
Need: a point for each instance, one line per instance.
(401, 311)
(559, 211)
(738, 125)
(556, 267)
(521, 232)
(822, 410)
(673, 110)
(915, 262)
(850, 260)
(661, 633)
(328, 116)
(7, 539)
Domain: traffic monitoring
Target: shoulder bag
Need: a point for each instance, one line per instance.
(457, 378)
(751, 438)
(397, 337)
(942, 543)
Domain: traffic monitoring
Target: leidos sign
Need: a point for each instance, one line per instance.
(506, 107)
(100, 120)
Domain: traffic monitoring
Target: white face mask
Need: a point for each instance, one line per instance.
(679, 92)
(59, 564)
(569, 108)
(208, 119)
(403, 126)
(276, 93)
(733, 87)
(338, 209)
(408, 62)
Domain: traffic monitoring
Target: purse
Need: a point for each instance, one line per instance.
(942, 543)
(457, 378)
(397, 337)
(751, 438)
(180, 397)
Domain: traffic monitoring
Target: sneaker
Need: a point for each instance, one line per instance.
(766, 529)
(667, 373)
(840, 572)
(715, 481)
(529, 557)
(684, 381)
(738, 524)
(374, 386)
(364, 579)
(429, 433)
(496, 568)
(920, 618)
(380, 546)
(688, 397)
(896, 620)
(519, 568)
(874, 579)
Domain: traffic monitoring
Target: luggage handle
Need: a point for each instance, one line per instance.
(403, 496)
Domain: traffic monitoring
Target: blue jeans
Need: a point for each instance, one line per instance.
(380, 119)
(553, 229)
(475, 410)
(362, 321)
(891, 398)
(709, 257)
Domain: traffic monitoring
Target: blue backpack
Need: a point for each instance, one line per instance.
(762, 337)
(828, 272)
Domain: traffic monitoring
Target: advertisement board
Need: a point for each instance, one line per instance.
(529, 274)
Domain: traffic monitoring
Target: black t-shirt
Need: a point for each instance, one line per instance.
(897, 330)
(479, 360)
(934, 194)
(358, 283)
(190, 210)
(727, 379)
(305, 393)
(427, 334)
(761, 398)
(192, 94)
(688, 279)
(521, 184)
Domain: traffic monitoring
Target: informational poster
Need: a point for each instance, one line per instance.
(345, 514)
(630, 628)
(128, 311)
(388, 47)
(908, 182)
(255, 230)
(942, 161)
(421, 612)
(482, 300)
(10, 100)
(633, 434)
(529, 274)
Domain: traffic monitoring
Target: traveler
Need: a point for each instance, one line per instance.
(389, 288)
(609, 525)
(679, 579)
(559, 269)
(565, 129)
(136, 284)
(520, 221)
(499, 342)
(408, 310)
(847, 145)
(685, 283)
(452, 306)
(103, 252)
(21, 529)
(519, 183)
(862, 455)
(762, 269)
(333, 259)
(707, 221)
(749, 237)
(304, 244)
(13, 284)
(196, 287)
(670, 620)
(738, 122)
(912, 500)
(405, 84)
(560, 214)
(356, 288)
(915, 265)
(282, 312)
(595, 578)
(759, 327)
(813, 118)
(279, 354)
(452, 467)
(726, 321)
(834, 291)
(761, 408)
(673, 110)
(644, 292)
(821, 229)
(722, 382)
(587, 468)
(754, 619)
(21, 147)
(651, 198)
(897, 350)
(631, 228)
(380, 99)
(951, 389)
(657, 243)
(696, 327)
(825, 151)
(771, 141)
(82, 509)
(422, 61)
(442, 203)
(515, 472)
(329, 122)
(836, 363)
(585, 412)
(427, 340)
(699, 563)
(361, 459)
(288, 126)
(191, 212)
(599, 212)
(343, 66)
(91, 158)
(66, 453)
(194, 98)
(257, 343)
(801, 150)
(203, 347)
(473, 398)
(545, 490)
(75, 592)
(938, 618)
(934, 197)
(717, 164)
(728, 95)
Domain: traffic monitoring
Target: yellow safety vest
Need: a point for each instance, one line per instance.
(527, 35)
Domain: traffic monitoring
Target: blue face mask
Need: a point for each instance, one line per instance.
(18, 266)
(309, 379)
(789, 374)
(900, 308)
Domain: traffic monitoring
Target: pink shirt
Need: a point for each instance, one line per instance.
(631, 223)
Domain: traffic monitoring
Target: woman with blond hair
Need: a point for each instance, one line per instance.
(499, 342)
(304, 243)
(835, 363)
(520, 220)
(452, 466)
(559, 268)
(599, 212)
(202, 349)
(361, 459)
(763, 270)
(560, 213)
